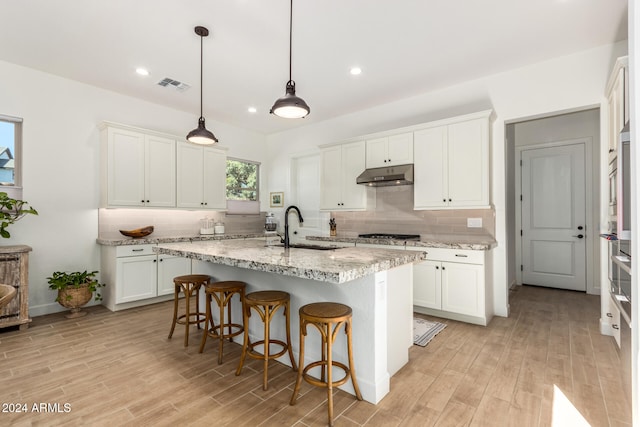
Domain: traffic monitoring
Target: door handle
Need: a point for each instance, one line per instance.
(579, 236)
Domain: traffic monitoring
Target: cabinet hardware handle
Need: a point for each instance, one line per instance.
(437, 268)
(579, 236)
(611, 150)
(609, 315)
(449, 199)
(389, 159)
(147, 201)
(205, 203)
(443, 267)
(137, 250)
(444, 200)
(161, 259)
(462, 255)
(141, 201)
(154, 260)
(385, 161)
(615, 327)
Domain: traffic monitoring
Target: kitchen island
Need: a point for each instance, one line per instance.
(375, 283)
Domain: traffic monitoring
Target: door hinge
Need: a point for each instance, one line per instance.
(521, 197)
(521, 232)
(521, 267)
(520, 162)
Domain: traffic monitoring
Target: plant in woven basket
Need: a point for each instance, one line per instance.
(75, 289)
(12, 210)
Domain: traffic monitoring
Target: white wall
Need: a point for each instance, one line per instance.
(562, 84)
(61, 165)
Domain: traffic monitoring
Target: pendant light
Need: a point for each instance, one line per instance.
(290, 106)
(201, 135)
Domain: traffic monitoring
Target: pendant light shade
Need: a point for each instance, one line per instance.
(201, 135)
(290, 106)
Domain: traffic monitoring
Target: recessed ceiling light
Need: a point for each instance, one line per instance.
(142, 71)
(252, 109)
(355, 71)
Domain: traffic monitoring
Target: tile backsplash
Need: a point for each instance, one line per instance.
(170, 223)
(394, 214)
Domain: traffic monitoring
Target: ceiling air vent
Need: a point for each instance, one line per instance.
(179, 86)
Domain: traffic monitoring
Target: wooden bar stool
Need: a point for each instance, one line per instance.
(222, 292)
(190, 285)
(324, 315)
(266, 304)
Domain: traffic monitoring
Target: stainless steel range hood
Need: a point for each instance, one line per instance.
(387, 176)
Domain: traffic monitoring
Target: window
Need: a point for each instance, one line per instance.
(242, 180)
(10, 150)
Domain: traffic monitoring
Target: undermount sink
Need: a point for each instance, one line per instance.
(308, 246)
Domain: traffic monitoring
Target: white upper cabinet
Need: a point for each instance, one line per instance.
(390, 150)
(340, 166)
(140, 168)
(452, 165)
(201, 177)
(617, 103)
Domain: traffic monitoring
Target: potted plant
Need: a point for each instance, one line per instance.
(75, 290)
(12, 210)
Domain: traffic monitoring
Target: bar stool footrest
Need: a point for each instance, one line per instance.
(251, 352)
(237, 330)
(182, 319)
(323, 364)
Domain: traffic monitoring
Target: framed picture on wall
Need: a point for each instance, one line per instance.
(277, 199)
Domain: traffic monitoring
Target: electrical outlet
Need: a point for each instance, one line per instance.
(474, 222)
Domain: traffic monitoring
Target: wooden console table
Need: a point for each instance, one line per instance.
(14, 271)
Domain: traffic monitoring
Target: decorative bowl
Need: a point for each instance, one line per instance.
(138, 232)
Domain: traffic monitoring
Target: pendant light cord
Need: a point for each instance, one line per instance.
(290, 36)
(201, 89)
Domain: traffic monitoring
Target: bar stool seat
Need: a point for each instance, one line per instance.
(190, 285)
(327, 317)
(266, 304)
(222, 292)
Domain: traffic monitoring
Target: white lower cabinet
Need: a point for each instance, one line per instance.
(136, 276)
(451, 283)
(613, 316)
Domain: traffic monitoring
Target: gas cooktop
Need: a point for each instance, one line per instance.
(390, 236)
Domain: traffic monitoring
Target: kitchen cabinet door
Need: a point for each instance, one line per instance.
(125, 167)
(202, 175)
(354, 196)
(140, 168)
(617, 104)
(330, 178)
(451, 165)
(463, 288)
(168, 268)
(160, 172)
(340, 166)
(430, 168)
(215, 179)
(190, 180)
(389, 151)
(427, 284)
(468, 164)
(136, 278)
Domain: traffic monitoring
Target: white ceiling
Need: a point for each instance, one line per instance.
(404, 47)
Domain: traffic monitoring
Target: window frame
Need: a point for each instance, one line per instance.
(257, 189)
(15, 189)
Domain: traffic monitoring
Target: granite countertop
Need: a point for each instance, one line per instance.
(454, 241)
(334, 266)
(120, 241)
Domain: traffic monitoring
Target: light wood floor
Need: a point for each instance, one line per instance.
(119, 369)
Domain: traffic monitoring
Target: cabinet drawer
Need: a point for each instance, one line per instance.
(134, 250)
(455, 255)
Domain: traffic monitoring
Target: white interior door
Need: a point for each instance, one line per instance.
(553, 217)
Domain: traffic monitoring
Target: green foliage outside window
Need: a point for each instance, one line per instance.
(242, 180)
